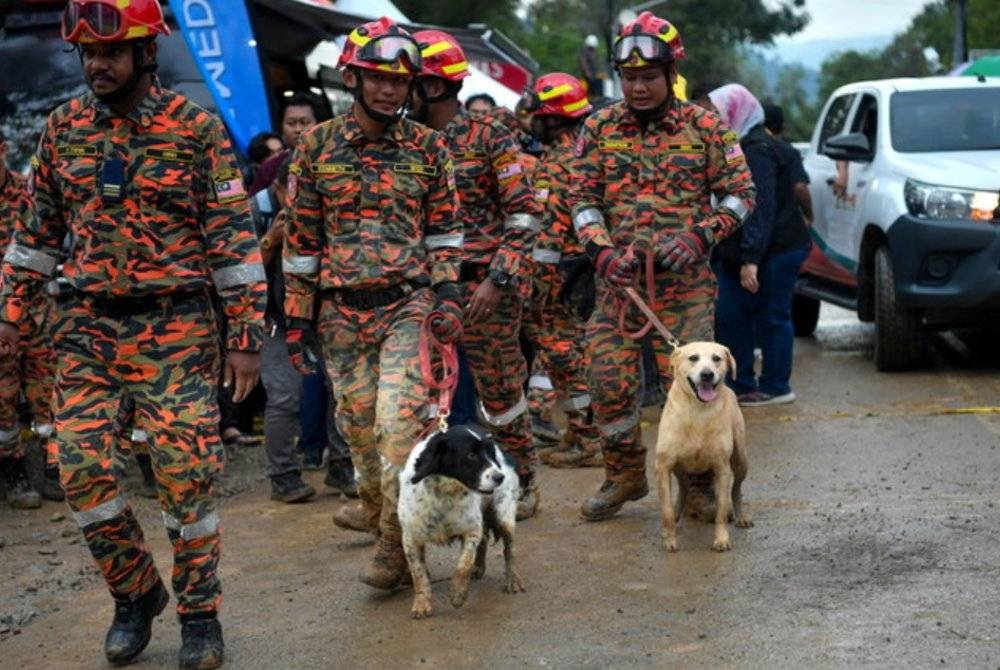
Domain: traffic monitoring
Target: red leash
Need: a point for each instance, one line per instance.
(445, 387)
(651, 319)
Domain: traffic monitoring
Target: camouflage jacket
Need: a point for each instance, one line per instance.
(496, 207)
(556, 238)
(153, 203)
(368, 213)
(15, 206)
(638, 182)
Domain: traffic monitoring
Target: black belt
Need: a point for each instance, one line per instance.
(115, 308)
(473, 272)
(370, 298)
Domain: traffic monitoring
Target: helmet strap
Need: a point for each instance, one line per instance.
(374, 115)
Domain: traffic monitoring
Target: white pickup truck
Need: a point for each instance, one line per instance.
(905, 180)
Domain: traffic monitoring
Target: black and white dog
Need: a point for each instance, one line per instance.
(457, 485)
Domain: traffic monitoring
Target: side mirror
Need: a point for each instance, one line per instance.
(849, 147)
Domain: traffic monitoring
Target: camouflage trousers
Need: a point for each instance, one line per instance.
(383, 403)
(30, 372)
(167, 362)
(496, 361)
(560, 355)
(686, 305)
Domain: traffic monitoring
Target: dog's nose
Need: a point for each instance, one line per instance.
(707, 375)
(498, 478)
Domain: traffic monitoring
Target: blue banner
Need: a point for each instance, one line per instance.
(220, 38)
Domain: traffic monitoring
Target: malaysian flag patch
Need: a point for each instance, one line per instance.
(228, 186)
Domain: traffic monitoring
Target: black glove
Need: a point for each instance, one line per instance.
(303, 346)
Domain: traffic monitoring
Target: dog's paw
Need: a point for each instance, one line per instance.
(722, 544)
(670, 544)
(458, 593)
(478, 571)
(513, 584)
(744, 522)
(421, 608)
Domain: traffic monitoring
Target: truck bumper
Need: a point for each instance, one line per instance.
(946, 265)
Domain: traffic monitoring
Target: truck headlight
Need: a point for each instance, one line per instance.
(941, 202)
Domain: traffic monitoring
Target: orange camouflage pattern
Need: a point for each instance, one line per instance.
(31, 370)
(183, 222)
(635, 184)
(368, 213)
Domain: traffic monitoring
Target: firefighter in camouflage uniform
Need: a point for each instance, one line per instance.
(642, 182)
(146, 184)
(558, 105)
(371, 248)
(30, 369)
(500, 220)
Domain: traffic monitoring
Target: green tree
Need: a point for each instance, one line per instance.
(459, 14)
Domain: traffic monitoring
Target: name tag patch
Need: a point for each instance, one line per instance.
(171, 155)
(76, 150)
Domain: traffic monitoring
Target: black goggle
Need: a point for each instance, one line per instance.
(391, 48)
(646, 47)
(102, 20)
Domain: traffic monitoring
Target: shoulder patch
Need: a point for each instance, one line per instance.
(295, 168)
(734, 152)
(228, 186)
(730, 137)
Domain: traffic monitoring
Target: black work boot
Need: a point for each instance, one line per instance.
(133, 624)
(148, 487)
(614, 493)
(340, 477)
(288, 487)
(51, 487)
(201, 644)
(19, 491)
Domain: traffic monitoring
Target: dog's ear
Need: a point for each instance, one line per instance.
(730, 363)
(430, 460)
(675, 357)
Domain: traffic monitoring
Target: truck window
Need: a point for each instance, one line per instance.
(951, 120)
(833, 122)
(866, 119)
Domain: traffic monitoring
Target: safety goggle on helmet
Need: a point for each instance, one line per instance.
(382, 45)
(647, 40)
(86, 21)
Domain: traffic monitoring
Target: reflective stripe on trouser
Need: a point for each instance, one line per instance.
(615, 376)
(167, 364)
(560, 342)
(382, 401)
(497, 364)
(31, 370)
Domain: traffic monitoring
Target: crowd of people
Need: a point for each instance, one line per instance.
(167, 284)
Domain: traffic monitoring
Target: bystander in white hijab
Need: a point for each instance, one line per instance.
(738, 108)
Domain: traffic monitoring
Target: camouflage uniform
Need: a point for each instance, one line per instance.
(561, 330)
(157, 215)
(371, 227)
(639, 183)
(33, 368)
(500, 220)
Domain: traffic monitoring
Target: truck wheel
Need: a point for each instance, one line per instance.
(805, 315)
(899, 334)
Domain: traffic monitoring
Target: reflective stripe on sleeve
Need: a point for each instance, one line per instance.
(505, 417)
(32, 259)
(300, 265)
(456, 240)
(541, 382)
(204, 527)
(736, 206)
(521, 222)
(587, 216)
(577, 403)
(238, 275)
(548, 256)
(103, 512)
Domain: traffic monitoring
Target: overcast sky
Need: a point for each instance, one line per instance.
(847, 19)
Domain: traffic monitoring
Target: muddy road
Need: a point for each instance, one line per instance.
(875, 546)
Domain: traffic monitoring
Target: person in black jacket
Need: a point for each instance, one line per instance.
(757, 266)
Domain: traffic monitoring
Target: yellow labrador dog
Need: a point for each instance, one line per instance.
(702, 430)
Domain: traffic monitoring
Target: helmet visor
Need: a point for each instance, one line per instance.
(530, 102)
(391, 48)
(103, 21)
(646, 47)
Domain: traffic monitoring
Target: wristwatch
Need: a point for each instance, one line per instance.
(265, 242)
(499, 277)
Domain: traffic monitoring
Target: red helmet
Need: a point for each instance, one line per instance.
(89, 21)
(647, 40)
(381, 45)
(556, 94)
(442, 54)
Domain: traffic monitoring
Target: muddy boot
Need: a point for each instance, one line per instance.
(148, 487)
(133, 624)
(544, 430)
(388, 566)
(288, 487)
(361, 516)
(51, 487)
(584, 450)
(19, 491)
(614, 493)
(201, 644)
(529, 498)
(340, 478)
